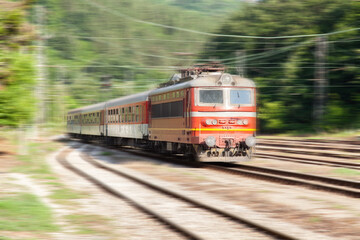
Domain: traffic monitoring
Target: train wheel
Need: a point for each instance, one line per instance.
(249, 153)
(191, 154)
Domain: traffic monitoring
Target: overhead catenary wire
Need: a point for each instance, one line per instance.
(258, 55)
(117, 13)
(161, 68)
(258, 86)
(310, 86)
(248, 58)
(199, 41)
(270, 53)
(211, 50)
(274, 51)
(175, 68)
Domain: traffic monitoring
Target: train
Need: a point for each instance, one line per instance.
(202, 113)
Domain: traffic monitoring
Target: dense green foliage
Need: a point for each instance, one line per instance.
(284, 68)
(92, 43)
(212, 7)
(105, 49)
(17, 102)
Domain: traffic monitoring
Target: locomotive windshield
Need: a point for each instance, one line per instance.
(240, 96)
(211, 96)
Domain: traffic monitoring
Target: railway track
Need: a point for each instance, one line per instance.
(168, 196)
(329, 153)
(355, 143)
(341, 164)
(340, 186)
(334, 185)
(308, 152)
(353, 148)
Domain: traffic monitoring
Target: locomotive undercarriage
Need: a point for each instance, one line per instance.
(201, 152)
(193, 152)
(239, 152)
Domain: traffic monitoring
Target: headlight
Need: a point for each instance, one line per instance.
(245, 122)
(208, 121)
(214, 122)
(240, 122)
(226, 79)
(210, 141)
(250, 141)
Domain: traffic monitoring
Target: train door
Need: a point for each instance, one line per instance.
(187, 109)
(106, 121)
(101, 123)
(80, 123)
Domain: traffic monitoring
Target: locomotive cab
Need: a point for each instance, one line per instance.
(224, 119)
(206, 113)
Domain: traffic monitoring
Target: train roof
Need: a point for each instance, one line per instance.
(208, 80)
(90, 108)
(140, 97)
(203, 80)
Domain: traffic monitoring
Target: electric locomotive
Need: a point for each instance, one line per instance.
(203, 112)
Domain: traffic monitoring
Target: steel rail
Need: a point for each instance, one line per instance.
(313, 146)
(348, 142)
(252, 173)
(61, 158)
(285, 177)
(244, 221)
(305, 176)
(309, 161)
(295, 150)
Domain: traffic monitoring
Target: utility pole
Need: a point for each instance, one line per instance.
(320, 84)
(40, 74)
(241, 66)
(60, 88)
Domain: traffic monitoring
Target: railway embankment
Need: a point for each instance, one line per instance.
(35, 203)
(65, 205)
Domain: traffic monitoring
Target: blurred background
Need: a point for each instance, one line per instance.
(57, 55)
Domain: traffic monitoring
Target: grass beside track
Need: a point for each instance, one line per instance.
(25, 212)
(22, 214)
(346, 172)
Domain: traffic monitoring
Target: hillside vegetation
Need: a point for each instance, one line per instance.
(17, 73)
(98, 50)
(284, 69)
(99, 44)
(208, 7)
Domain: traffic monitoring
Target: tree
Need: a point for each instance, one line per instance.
(17, 74)
(284, 68)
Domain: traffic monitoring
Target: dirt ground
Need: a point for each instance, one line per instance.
(81, 207)
(322, 212)
(7, 155)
